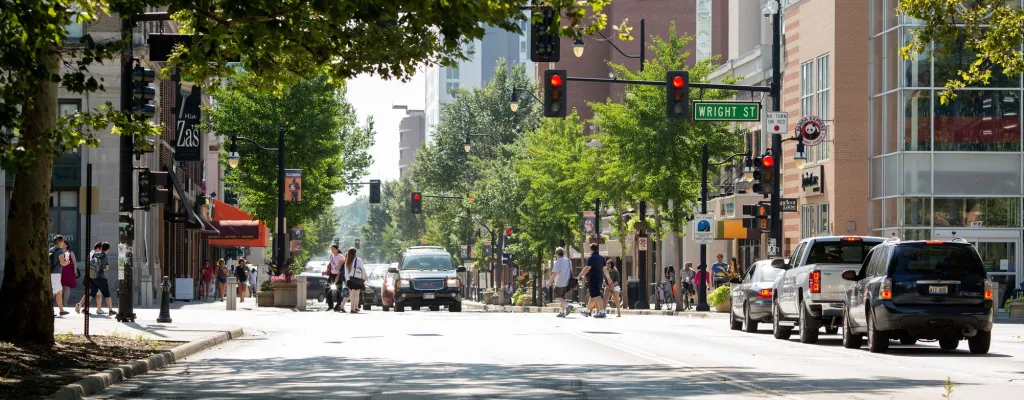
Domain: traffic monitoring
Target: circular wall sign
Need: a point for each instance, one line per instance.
(811, 130)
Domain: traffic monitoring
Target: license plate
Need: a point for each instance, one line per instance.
(938, 289)
(428, 296)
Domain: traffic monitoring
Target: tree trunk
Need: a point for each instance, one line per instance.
(27, 311)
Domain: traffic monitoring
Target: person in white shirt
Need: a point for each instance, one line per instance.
(355, 274)
(561, 271)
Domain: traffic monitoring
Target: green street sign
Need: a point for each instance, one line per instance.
(726, 111)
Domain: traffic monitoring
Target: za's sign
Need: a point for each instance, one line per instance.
(726, 111)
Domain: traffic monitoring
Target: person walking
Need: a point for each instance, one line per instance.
(253, 280)
(614, 287)
(99, 264)
(355, 274)
(734, 265)
(222, 279)
(702, 278)
(596, 277)
(242, 275)
(561, 272)
(335, 279)
(68, 275)
(58, 260)
(205, 276)
(718, 270)
(86, 299)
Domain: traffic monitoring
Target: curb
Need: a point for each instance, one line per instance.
(552, 310)
(96, 383)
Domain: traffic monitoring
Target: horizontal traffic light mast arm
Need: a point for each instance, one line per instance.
(253, 142)
(741, 88)
(438, 196)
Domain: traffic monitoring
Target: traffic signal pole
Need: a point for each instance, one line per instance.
(776, 215)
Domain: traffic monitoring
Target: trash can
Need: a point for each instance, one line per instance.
(632, 292)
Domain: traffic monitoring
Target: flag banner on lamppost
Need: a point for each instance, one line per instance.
(293, 184)
(589, 218)
(488, 251)
(463, 248)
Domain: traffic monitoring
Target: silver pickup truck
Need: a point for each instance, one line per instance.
(810, 293)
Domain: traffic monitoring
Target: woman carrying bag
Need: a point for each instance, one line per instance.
(356, 275)
(335, 279)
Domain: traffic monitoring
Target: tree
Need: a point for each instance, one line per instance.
(991, 29)
(318, 234)
(279, 41)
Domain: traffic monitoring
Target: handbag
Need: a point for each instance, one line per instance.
(356, 281)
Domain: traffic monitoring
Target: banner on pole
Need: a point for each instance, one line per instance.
(293, 184)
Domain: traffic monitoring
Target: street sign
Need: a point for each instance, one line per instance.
(726, 111)
(773, 248)
(787, 205)
(811, 130)
(776, 123)
(641, 244)
(704, 228)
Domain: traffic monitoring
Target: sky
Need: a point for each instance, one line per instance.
(373, 96)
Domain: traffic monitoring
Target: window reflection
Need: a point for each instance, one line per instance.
(960, 59)
(977, 213)
(979, 120)
(917, 211)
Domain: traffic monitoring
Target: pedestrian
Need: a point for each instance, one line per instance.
(68, 274)
(734, 265)
(205, 276)
(335, 279)
(86, 300)
(702, 278)
(719, 270)
(355, 274)
(614, 288)
(252, 283)
(242, 276)
(58, 259)
(687, 278)
(99, 264)
(561, 272)
(222, 279)
(596, 277)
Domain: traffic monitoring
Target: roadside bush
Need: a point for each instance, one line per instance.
(719, 295)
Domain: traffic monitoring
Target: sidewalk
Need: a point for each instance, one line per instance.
(183, 328)
(475, 306)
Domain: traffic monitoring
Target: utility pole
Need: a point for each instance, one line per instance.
(776, 214)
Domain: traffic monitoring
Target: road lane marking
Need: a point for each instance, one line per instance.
(749, 386)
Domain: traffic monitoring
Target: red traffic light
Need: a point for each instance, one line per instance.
(678, 82)
(416, 196)
(768, 161)
(508, 232)
(556, 80)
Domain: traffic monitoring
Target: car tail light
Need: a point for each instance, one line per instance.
(814, 281)
(989, 286)
(934, 242)
(764, 294)
(886, 292)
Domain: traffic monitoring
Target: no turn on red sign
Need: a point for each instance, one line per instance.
(776, 123)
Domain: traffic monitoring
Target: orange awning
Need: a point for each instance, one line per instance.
(237, 227)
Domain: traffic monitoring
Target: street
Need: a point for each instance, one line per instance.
(507, 355)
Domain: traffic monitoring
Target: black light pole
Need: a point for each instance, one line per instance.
(776, 214)
(280, 247)
(641, 261)
(705, 163)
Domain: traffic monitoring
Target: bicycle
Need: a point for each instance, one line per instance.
(687, 296)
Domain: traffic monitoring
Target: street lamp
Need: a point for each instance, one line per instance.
(800, 157)
(467, 146)
(643, 46)
(233, 159)
(577, 48)
(514, 104)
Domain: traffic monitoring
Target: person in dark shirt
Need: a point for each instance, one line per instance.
(614, 288)
(596, 277)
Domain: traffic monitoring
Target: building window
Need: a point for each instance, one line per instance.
(824, 86)
(522, 46)
(451, 87)
(452, 73)
(64, 213)
(823, 220)
(807, 99)
(67, 107)
(75, 29)
(979, 120)
(814, 220)
(999, 212)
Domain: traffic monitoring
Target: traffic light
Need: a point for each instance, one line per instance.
(763, 212)
(357, 243)
(509, 232)
(151, 188)
(375, 191)
(758, 174)
(544, 39)
(142, 92)
(677, 95)
(767, 175)
(554, 93)
(417, 203)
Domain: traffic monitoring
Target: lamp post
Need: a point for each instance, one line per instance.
(702, 289)
(577, 46)
(280, 248)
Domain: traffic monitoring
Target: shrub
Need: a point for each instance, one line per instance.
(719, 295)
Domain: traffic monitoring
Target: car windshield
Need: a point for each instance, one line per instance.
(378, 273)
(428, 262)
(936, 261)
(766, 273)
(839, 252)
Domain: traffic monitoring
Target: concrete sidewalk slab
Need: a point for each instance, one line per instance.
(474, 306)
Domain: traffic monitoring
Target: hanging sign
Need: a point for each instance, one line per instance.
(811, 130)
(187, 141)
(293, 184)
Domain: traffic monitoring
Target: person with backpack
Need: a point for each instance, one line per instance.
(96, 248)
(97, 269)
(59, 258)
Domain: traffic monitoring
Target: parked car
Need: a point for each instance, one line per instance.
(316, 285)
(752, 296)
(427, 276)
(810, 292)
(371, 296)
(907, 291)
(387, 290)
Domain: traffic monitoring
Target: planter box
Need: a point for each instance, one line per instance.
(1016, 309)
(525, 301)
(724, 306)
(265, 299)
(488, 296)
(285, 294)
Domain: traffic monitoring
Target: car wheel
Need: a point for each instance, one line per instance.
(981, 342)
(399, 308)
(878, 341)
(749, 325)
(950, 343)
(908, 341)
(321, 298)
(435, 308)
(733, 323)
(779, 331)
(851, 339)
(808, 327)
(457, 307)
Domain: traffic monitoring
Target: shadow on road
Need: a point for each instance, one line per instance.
(340, 377)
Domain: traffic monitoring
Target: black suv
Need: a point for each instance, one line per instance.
(427, 276)
(906, 291)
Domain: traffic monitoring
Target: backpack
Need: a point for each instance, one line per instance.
(54, 264)
(95, 263)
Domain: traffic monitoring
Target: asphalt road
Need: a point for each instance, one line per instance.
(491, 355)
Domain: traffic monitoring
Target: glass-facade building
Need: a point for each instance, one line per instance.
(944, 170)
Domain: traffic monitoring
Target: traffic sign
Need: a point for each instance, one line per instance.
(773, 248)
(776, 123)
(726, 111)
(811, 130)
(704, 228)
(641, 244)
(787, 205)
